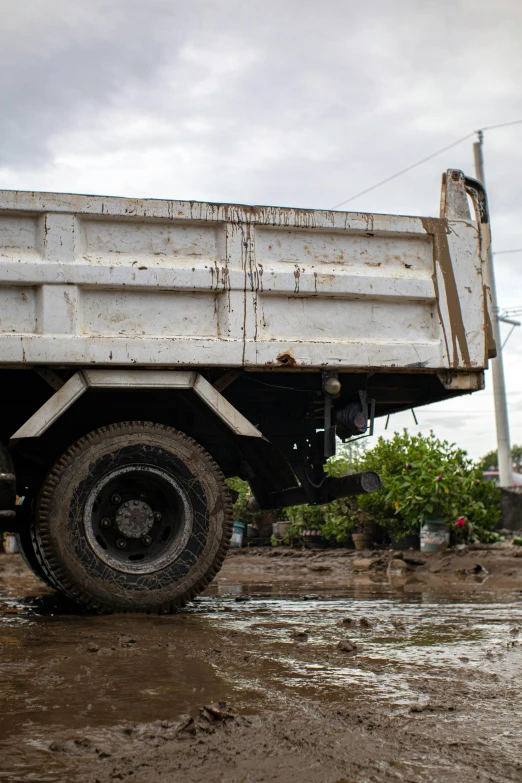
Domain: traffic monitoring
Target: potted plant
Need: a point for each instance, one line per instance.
(363, 537)
(429, 485)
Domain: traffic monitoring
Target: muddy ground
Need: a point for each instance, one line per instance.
(317, 667)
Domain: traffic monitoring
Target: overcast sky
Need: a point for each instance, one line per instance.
(291, 102)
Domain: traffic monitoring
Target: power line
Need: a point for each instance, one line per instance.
(455, 413)
(501, 125)
(424, 160)
(502, 252)
(403, 171)
(490, 394)
(428, 413)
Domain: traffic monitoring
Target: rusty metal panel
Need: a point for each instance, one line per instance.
(117, 282)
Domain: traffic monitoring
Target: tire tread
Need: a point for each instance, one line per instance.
(43, 544)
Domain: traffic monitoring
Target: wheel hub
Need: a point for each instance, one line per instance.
(134, 519)
(138, 518)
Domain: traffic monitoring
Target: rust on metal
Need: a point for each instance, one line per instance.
(438, 228)
(491, 346)
(286, 359)
(226, 379)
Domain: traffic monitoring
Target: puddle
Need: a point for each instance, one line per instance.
(401, 639)
(77, 677)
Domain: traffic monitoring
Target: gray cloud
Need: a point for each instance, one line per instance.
(63, 62)
(288, 102)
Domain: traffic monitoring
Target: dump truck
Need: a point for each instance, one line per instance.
(151, 349)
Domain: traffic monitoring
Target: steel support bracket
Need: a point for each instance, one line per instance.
(83, 380)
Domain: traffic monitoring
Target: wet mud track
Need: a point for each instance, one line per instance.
(251, 684)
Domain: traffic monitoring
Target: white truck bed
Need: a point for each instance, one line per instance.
(116, 282)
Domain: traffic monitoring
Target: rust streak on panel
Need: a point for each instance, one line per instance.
(439, 229)
(491, 346)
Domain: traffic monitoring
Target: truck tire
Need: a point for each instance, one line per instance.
(134, 517)
(28, 549)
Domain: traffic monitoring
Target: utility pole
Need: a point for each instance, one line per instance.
(497, 365)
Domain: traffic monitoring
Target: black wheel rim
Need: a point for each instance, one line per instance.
(138, 519)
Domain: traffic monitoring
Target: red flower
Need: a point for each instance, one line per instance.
(439, 477)
(461, 522)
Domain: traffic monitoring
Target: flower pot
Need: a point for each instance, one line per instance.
(362, 540)
(238, 529)
(280, 529)
(313, 539)
(265, 524)
(10, 544)
(434, 535)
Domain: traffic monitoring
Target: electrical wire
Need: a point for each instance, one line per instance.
(404, 171)
(454, 413)
(424, 160)
(278, 386)
(500, 125)
(502, 252)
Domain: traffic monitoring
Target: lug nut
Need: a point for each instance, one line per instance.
(121, 543)
(136, 502)
(146, 540)
(106, 522)
(157, 516)
(116, 499)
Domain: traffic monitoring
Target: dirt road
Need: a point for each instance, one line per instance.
(329, 667)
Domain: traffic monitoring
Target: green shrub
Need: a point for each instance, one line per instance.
(422, 477)
(490, 460)
(335, 521)
(241, 511)
(425, 477)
